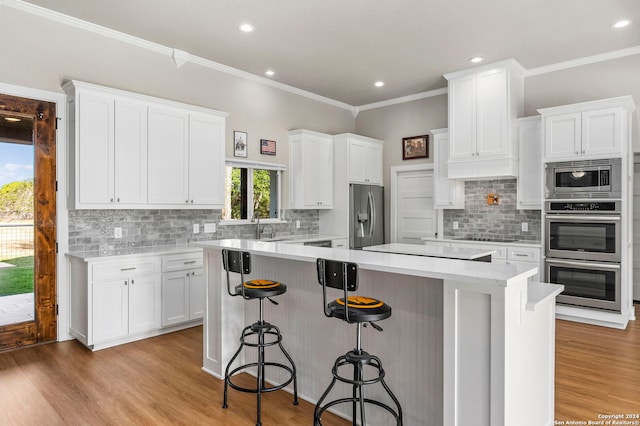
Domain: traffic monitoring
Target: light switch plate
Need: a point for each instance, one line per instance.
(196, 228)
(209, 228)
(525, 227)
(117, 232)
(455, 225)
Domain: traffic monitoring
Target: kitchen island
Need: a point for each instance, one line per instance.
(479, 255)
(468, 342)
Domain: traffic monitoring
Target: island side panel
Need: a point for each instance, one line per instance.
(410, 346)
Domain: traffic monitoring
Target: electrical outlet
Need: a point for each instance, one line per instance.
(209, 228)
(196, 228)
(297, 224)
(455, 225)
(525, 227)
(117, 232)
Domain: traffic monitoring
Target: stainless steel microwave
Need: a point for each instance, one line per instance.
(589, 179)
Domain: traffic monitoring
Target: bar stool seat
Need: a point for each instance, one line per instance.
(259, 335)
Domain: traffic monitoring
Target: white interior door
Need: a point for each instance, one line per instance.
(412, 196)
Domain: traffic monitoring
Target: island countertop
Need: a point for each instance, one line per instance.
(462, 253)
(432, 267)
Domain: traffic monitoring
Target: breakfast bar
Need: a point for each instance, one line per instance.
(468, 342)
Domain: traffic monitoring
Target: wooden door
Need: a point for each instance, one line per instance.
(43, 327)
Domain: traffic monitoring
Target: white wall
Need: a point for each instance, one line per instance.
(40, 53)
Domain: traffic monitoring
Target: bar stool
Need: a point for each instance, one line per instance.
(362, 311)
(254, 335)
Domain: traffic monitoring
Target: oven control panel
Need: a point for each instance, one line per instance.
(590, 206)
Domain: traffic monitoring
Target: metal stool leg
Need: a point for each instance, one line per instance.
(226, 371)
(293, 366)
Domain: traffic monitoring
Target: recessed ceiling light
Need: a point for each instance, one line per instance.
(270, 73)
(476, 59)
(379, 83)
(621, 23)
(12, 119)
(246, 28)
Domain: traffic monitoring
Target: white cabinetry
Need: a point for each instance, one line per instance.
(530, 178)
(183, 291)
(356, 160)
(134, 151)
(108, 150)
(311, 170)
(365, 160)
(483, 103)
(448, 193)
(587, 130)
(186, 158)
(116, 300)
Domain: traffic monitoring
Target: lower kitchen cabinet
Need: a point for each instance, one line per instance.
(183, 289)
(183, 296)
(120, 299)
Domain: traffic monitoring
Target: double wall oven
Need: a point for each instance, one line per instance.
(583, 232)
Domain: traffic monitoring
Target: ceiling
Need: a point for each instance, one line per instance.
(338, 48)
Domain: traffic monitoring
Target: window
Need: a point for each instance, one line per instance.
(251, 189)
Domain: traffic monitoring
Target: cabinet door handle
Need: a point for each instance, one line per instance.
(132, 281)
(583, 151)
(520, 255)
(125, 283)
(128, 269)
(189, 261)
(193, 273)
(577, 152)
(187, 201)
(191, 201)
(187, 274)
(111, 201)
(118, 199)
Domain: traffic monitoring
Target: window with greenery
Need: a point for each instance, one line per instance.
(251, 192)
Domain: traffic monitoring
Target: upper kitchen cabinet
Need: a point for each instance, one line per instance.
(360, 157)
(448, 193)
(186, 158)
(483, 104)
(588, 130)
(134, 151)
(365, 158)
(108, 149)
(530, 178)
(311, 170)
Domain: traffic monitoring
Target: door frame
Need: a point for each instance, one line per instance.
(393, 198)
(62, 217)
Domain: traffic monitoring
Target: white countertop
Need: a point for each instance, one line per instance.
(301, 239)
(525, 243)
(463, 253)
(143, 251)
(447, 269)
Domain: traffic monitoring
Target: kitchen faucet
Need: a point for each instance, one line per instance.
(256, 218)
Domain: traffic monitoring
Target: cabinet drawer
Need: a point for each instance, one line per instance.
(125, 269)
(178, 262)
(527, 254)
(500, 251)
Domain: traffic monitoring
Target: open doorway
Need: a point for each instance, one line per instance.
(16, 219)
(28, 221)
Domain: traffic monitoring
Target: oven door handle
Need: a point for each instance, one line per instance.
(582, 218)
(599, 265)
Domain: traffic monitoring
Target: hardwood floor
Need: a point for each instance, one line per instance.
(159, 381)
(597, 370)
(151, 382)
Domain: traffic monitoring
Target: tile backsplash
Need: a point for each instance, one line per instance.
(91, 230)
(502, 220)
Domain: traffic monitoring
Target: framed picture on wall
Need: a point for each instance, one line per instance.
(267, 147)
(239, 144)
(415, 147)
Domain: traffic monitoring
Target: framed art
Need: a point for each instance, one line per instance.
(415, 147)
(267, 147)
(239, 144)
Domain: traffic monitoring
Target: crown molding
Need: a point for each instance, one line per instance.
(587, 60)
(179, 57)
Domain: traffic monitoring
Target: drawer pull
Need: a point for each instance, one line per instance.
(128, 269)
(190, 261)
(520, 255)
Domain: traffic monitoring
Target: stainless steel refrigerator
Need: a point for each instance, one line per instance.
(366, 215)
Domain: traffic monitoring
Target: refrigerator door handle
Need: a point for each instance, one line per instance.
(372, 207)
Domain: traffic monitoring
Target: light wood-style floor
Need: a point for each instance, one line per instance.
(159, 381)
